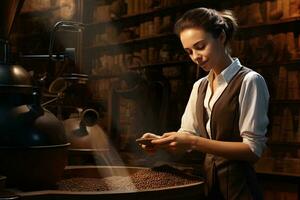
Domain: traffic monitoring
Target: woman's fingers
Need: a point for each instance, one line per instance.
(166, 138)
(163, 140)
(170, 141)
(150, 135)
(168, 134)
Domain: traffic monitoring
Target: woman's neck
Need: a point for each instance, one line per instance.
(222, 64)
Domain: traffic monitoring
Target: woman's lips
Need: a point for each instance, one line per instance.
(199, 62)
(202, 64)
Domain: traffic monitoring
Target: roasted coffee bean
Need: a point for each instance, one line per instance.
(145, 179)
(82, 184)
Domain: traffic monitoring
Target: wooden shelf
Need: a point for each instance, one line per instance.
(284, 143)
(277, 101)
(161, 64)
(242, 28)
(290, 63)
(279, 167)
(280, 26)
(186, 6)
(144, 39)
(279, 171)
(271, 23)
(182, 62)
(143, 15)
(280, 63)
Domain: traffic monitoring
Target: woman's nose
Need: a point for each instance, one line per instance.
(196, 56)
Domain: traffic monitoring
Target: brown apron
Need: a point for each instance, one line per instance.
(226, 179)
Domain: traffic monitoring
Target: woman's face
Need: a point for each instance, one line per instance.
(205, 50)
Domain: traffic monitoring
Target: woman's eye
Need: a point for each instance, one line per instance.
(200, 46)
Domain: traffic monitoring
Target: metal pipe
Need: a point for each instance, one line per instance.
(66, 26)
(58, 57)
(5, 50)
(89, 117)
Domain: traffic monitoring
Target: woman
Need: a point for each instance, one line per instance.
(226, 115)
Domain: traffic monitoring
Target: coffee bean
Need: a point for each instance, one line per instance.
(144, 179)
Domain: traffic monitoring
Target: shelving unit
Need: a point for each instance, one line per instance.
(260, 28)
(103, 56)
(294, 21)
(131, 42)
(272, 23)
(150, 12)
(280, 102)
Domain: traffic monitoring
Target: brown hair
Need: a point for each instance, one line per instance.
(210, 20)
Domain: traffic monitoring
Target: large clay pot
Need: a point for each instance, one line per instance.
(33, 145)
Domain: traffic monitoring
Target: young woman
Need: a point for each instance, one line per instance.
(226, 115)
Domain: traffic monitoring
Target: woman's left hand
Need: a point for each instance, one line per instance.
(176, 141)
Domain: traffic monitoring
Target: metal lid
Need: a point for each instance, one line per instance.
(14, 78)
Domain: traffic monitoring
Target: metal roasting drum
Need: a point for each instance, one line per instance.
(30, 136)
(33, 145)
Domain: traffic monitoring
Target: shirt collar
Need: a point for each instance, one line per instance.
(228, 72)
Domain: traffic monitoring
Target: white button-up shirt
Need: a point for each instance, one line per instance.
(253, 104)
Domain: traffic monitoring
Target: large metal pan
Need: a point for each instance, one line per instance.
(181, 192)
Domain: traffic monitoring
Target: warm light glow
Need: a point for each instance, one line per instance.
(96, 140)
(110, 157)
(17, 71)
(68, 9)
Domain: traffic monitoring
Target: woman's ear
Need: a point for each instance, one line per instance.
(222, 37)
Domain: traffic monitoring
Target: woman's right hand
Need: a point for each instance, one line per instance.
(149, 148)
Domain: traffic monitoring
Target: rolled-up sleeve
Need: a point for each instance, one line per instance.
(254, 102)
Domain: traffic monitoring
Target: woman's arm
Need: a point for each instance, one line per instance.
(186, 141)
(229, 150)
